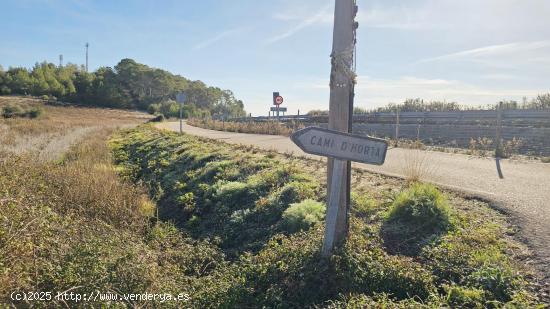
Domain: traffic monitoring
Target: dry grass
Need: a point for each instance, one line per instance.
(59, 191)
(49, 136)
(267, 127)
(417, 166)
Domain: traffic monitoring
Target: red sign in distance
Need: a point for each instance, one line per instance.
(279, 100)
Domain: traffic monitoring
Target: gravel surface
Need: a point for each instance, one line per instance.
(524, 193)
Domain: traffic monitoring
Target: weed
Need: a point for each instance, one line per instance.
(417, 165)
(415, 218)
(302, 216)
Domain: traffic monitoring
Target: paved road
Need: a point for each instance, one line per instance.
(524, 192)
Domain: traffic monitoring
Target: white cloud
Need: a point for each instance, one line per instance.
(512, 49)
(307, 22)
(374, 92)
(214, 39)
(399, 18)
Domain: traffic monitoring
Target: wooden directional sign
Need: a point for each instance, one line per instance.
(341, 145)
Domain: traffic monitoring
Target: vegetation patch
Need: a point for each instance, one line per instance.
(263, 211)
(184, 215)
(302, 216)
(416, 217)
(24, 111)
(271, 127)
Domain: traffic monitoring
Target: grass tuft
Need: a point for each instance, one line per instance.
(417, 216)
(303, 215)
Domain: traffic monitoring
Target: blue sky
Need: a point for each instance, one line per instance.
(470, 51)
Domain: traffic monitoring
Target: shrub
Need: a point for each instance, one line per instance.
(302, 216)
(4, 90)
(153, 109)
(233, 193)
(362, 204)
(169, 108)
(11, 111)
(465, 297)
(510, 147)
(35, 112)
(416, 216)
(498, 280)
(545, 159)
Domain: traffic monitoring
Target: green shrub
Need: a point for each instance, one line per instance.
(362, 204)
(302, 216)
(416, 216)
(500, 281)
(153, 109)
(545, 159)
(233, 193)
(11, 111)
(35, 112)
(4, 90)
(465, 297)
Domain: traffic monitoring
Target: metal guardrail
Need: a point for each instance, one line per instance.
(421, 117)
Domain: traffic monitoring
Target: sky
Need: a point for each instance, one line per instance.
(474, 52)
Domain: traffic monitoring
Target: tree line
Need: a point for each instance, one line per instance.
(129, 85)
(542, 101)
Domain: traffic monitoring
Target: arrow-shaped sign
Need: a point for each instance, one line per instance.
(341, 145)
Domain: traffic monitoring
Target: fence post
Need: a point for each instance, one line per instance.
(397, 127)
(498, 136)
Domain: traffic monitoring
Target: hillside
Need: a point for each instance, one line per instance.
(129, 85)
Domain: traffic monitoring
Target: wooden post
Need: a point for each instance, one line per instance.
(339, 168)
(342, 79)
(397, 126)
(498, 143)
(498, 135)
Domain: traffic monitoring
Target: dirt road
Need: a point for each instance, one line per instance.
(524, 193)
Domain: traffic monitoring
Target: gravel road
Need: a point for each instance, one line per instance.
(524, 193)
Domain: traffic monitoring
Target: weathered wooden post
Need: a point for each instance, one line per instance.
(337, 143)
(498, 140)
(342, 80)
(397, 125)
